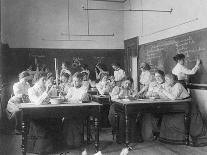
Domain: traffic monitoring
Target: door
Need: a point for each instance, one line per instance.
(130, 58)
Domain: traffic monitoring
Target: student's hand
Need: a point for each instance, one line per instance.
(198, 62)
(48, 89)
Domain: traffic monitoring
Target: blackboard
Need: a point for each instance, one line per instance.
(159, 54)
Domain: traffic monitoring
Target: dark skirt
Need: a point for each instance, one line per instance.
(120, 130)
(44, 135)
(73, 132)
(172, 128)
(183, 82)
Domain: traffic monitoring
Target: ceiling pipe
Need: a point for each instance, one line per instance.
(123, 1)
(135, 10)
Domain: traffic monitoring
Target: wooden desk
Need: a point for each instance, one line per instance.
(105, 100)
(134, 107)
(30, 111)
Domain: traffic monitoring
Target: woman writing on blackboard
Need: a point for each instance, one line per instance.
(181, 71)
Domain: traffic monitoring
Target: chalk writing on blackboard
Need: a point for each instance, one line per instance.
(159, 54)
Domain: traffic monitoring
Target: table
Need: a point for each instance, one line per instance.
(105, 100)
(161, 106)
(30, 111)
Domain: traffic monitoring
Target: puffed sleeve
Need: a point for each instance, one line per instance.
(35, 98)
(115, 93)
(17, 90)
(189, 71)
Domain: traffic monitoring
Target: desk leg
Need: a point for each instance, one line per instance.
(25, 123)
(88, 130)
(115, 130)
(96, 124)
(126, 130)
(187, 127)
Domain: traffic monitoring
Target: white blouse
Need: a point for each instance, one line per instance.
(77, 94)
(38, 95)
(145, 77)
(119, 74)
(176, 92)
(21, 87)
(181, 71)
(103, 87)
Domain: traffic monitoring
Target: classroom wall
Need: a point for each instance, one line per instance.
(26, 23)
(15, 60)
(143, 24)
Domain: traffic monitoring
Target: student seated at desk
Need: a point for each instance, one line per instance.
(145, 78)
(20, 90)
(119, 73)
(66, 84)
(72, 127)
(172, 127)
(44, 134)
(103, 85)
(78, 92)
(122, 92)
(149, 122)
(13, 111)
(112, 83)
(22, 86)
(173, 89)
(154, 87)
(41, 91)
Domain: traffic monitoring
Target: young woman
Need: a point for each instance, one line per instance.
(66, 84)
(112, 83)
(13, 111)
(72, 127)
(173, 89)
(65, 68)
(22, 86)
(145, 78)
(100, 70)
(119, 73)
(41, 91)
(103, 85)
(85, 71)
(155, 86)
(44, 134)
(149, 122)
(172, 127)
(125, 91)
(78, 92)
(181, 71)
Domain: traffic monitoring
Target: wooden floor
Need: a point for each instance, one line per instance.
(10, 145)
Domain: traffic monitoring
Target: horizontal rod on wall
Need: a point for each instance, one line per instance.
(95, 35)
(64, 40)
(91, 35)
(121, 1)
(135, 10)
